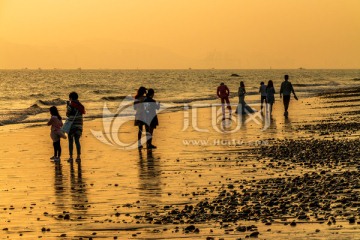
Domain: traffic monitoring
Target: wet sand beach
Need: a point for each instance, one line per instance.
(296, 178)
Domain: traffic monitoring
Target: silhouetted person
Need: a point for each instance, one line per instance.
(270, 95)
(140, 112)
(74, 112)
(150, 106)
(223, 93)
(262, 91)
(56, 134)
(285, 92)
(241, 94)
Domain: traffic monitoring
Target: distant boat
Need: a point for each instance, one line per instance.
(235, 75)
(300, 68)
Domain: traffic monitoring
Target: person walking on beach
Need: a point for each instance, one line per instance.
(285, 92)
(140, 112)
(223, 93)
(241, 94)
(262, 91)
(270, 96)
(150, 106)
(74, 112)
(56, 134)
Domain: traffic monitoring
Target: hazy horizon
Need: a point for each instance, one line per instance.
(160, 34)
(169, 69)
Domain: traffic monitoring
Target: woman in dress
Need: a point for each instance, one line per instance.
(241, 94)
(270, 96)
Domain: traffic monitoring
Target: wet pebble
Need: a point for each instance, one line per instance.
(254, 234)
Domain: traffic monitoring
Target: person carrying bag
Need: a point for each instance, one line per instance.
(74, 128)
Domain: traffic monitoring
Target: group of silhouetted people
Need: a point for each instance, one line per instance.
(267, 96)
(145, 116)
(74, 124)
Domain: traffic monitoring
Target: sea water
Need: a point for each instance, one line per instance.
(26, 95)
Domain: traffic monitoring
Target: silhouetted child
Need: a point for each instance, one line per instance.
(151, 119)
(56, 134)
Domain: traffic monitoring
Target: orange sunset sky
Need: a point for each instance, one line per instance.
(177, 34)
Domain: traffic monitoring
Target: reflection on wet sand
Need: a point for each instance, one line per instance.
(78, 189)
(59, 186)
(287, 123)
(149, 177)
(74, 197)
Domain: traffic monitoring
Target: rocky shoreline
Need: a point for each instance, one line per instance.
(326, 190)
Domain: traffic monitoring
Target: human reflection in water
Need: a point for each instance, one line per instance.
(59, 185)
(78, 189)
(149, 177)
(268, 121)
(287, 125)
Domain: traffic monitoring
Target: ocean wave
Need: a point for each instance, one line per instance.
(328, 84)
(250, 93)
(189, 100)
(12, 119)
(15, 117)
(113, 98)
(34, 109)
(309, 84)
(37, 95)
(53, 102)
(103, 91)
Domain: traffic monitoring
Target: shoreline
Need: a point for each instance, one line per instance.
(36, 110)
(132, 194)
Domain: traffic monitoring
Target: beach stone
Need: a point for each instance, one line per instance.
(190, 228)
(241, 229)
(254, 234)
(303, 217)
(352, 220)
